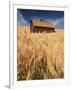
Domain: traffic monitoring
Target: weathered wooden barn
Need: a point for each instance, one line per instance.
(41, 26)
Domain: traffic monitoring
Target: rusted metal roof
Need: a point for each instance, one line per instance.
(40, 23)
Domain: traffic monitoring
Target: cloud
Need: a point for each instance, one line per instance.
(21, 20)
(58, 23)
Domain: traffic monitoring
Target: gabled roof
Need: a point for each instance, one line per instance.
(41, 23)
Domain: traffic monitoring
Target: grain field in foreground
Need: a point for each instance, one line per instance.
(40, 55)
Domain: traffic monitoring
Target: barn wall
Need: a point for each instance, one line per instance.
(42, 29)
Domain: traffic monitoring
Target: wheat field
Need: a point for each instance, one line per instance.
(39, 55)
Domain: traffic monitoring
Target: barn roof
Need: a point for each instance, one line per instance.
(41, 23)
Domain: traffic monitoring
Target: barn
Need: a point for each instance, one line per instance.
(41, 26)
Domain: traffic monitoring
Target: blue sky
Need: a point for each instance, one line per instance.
(56, 17)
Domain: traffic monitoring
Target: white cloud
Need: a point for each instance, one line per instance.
(20, 19)
(57, 22)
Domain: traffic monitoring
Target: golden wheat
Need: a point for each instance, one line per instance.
(39, 55)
